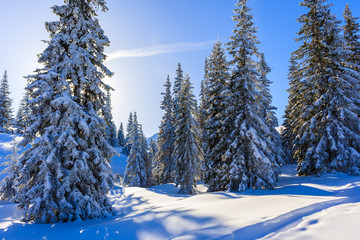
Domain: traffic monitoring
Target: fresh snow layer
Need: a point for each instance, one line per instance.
(337, 222)
(312, 207)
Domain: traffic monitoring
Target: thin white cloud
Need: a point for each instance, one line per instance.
(160, 49)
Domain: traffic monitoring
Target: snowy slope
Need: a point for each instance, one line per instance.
(118, 163)
(300, 208)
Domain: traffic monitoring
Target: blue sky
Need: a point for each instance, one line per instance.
(148, 39)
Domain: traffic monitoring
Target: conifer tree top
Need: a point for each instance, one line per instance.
(243, 44)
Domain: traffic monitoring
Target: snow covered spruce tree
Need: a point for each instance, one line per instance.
(66, 175)
(214, 139)
(351, 34)
(138, 166)
(203, 100)
(251, 163)
(152, 149)
(110, 129)
(6, 119)
(328, 137)
(111, 134)
(22, 120)
(292, 117)
(188, 154)
(267, 111)
(129, 128)
(121, 136)
(179, 78)
(164, 163)
(147, 156)
(7, 189)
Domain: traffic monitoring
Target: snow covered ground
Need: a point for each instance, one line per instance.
(300, 208)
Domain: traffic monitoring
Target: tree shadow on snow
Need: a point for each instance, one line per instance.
(169, 190)
(134, 218)
(289, 184)
(345, 188)
(262, 229)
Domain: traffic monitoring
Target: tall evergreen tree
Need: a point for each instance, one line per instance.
(23, 115)
(351, 34)
(164, 163)
(66, 175)
(121, 136)
(138, 167)
(179, 78)
(6, 119)
(328, 137)
(267, 111)
(251, 163)
(147, 157)
(203, 99)
(201, 113)
(152, 160)
(154, 173)
(292, 117)
(188, 153)
(110, 129)
(214, 138)
(129, 128)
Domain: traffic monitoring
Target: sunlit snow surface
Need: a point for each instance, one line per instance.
(300, 208)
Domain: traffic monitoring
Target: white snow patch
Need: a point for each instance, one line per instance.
(311, 207)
